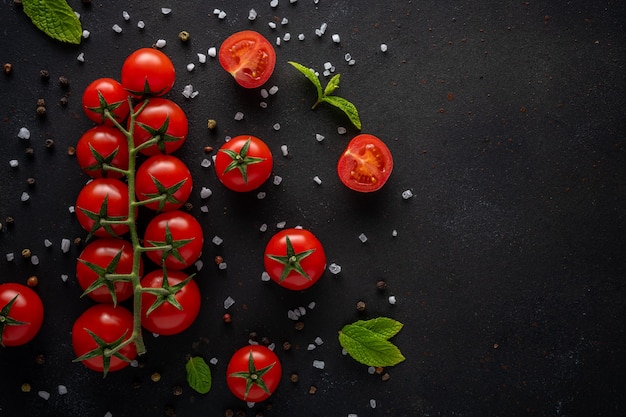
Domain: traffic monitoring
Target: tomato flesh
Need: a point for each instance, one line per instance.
(366, 164)
(248, 57)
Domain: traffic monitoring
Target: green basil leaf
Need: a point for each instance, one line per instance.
(384, 327)
(55, 18)
(348, 108)
(332, 85)
(310, 75)
(198, 375)
(366, 342)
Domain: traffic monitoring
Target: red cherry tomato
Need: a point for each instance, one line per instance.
(253, 373)
(179, 230)
(295, 259)
(102, 146)
(366, 164)
(166, 318)
(103, 257)
(21, 314)
(148, 72)
(163, 176)
(109, 324)
(106, 95)
(103, 199)
(164, 120)
(248, 57)
(243, 163)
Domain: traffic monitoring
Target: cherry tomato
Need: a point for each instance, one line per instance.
(162, 119)
(148, 72)
(103, 199)
(21, 314)
(253, 373)
(179, 230)
(160, 314)
(106, 95)
(295, 259)
(366, 164)
(248, 57)
(103, 257)
(102, 146)
(100, 328)
(163, 176)
(243, 163)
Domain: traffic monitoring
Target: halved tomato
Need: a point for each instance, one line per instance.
(366, 164)
(248, 57)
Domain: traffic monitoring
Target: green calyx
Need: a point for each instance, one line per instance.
(104, 349)
(170, 246)
(106, 276)
(160, 135)
(167, 293)
(99, 217)
(253, 376)
(6, 320)
(291, 261)
(240, 160)
(164, 194)
(104, 107)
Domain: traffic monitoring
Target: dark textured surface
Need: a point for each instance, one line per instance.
(507, 123)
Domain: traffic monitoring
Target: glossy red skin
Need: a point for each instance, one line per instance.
(155, 115)
(262, 358)
(104, 140)
(366, 164)
(109, 323)
(166, 319)
(91, 198)
(168, 170)
(182, 226)
(314, 264)
(113, 92)
(27, 308)
(248, 57)
(148, 64)
(258, 173)
(101, 252)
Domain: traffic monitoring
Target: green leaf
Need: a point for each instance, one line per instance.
(332, 85)
(347, 107)
(367, 341)
(198, 375)
(310, 75)
(55, 18)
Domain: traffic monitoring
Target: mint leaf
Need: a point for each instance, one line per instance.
(198, 374)
(348, 108)
(310, 75)
(367, 341)
(55, 18)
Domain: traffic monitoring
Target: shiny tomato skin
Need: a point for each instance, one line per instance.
(239, 363)
(165, 117)
(148, 72)
(27, 308)
(106, 93)
(102, 143)
(168, 173)
(366, 164)
(109, 323)
(313, 264)
(91, 200)
(186, 234)
(257, 172)
(248, 57)
(102, 252)
(166, 319)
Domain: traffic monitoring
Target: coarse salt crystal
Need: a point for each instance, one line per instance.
(141, 24)
(373, 403)
(201, 58)
(108, 414)
(392, 299)
(292, 315)
(334, 268)
(263, 105)
(204, 209)
(284, 150)
(301, 37)
(317, 180)
(62, 389)
(277, 179)
(13, 163)
(222, 266)
(264, 93)
(383, 47)
(10, 256)
(336, 38)
(271, 346)
(394, 233)
(191, 66)
(323, 27)
(352, 415)
(125, 15)
(276, 126)
(273, 90)
(311, 305)
(363, 238)
(160, 43)
(216, 11)
(187, 90)
(347, 57)
(166, 10)
(272, 25)
(205, 192)
(318, 341)
(263, 227)
(351, 62)
(252, 14)
(25, 196)
(284, 21)
(278, 41)
(116, 28)
(319, 364)
(261, 195)
(213, 361)
(311, 346)
(265, 276)
(212, 52)
(319, 137)
(217, 240)
(34, 259)
(64, 277)
(194, 94)
(205, 163)
(239, 116)
(293, 1)
(47, 243)
(250, 404)
(44, 394)
(281, 225)
(71, 209)
(86, 34)
(274, 3)
(222, 15)
(228, 302)
(23, 133)
(199, 264)
(287, 37)
(406, 194)
(371, 370)
(341, 130)
(81, 57)
(65, 245)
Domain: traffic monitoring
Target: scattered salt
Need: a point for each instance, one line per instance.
(392, 299)
(81, 57)
(284, 21)
(341, 130)
(222, 15)
(373, 403)
(116, 28)
(347, 57)
(292, 315)
(278, 41)
(334, 268)
(311, 305)
(336, 38)
(71, 209)
(351, 62)
(383, 47)
(281, 225)
(264, 93)
(323, 27)
(62, 389)
(216, 11)
(23, 133)
(363, 238)
(277, 179)
(263, 105)
(204, 209)
(274, 3)
(44, 394)
(319, 137)
(205, 192)
(261, 195)
(65, 245)
(239, 116)
(406, 194)
(272, 25)
(86, 34)
(125, 15)
(263, 227)
(160, 43)
(205, 163)
(301, 37)
(188, 90)
(201, 58)
(212, 52)
(10, 256)
(141, 24)
(166, 10)
(265, 276)
(284, 150)
(47, 243)
(311, 346)
(217, 240)
(190, 66)
(394, 233)
(199, 264)
(34, 259)
(276, 126)
(228, 302)
(64, 277)
(287, 37)
(194, 94)
(371, 370)
(213, 361)
(273, 90)
(319, 341)
(13, 163)
(318, 364)
(317, 180)
(222, 266)
(25, 196)
(252, 14)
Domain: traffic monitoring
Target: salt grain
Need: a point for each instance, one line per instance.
(239, 116)
(205, 192)
(65, 245)
(62, 389)
(347, 57)
(352, 415)
(311, 305)
(23, 133)
(336, 38)
(341, 130)
(47, 243)
(10, 256)
(277, 179)
(311, 346)
(319, 341)
(263, 105)
(187, 91)
(204, 209)
(228, 302)
(190, 67)
(319, 364)
(222, 266)
(317, 180)
(13, 163)
(323, 27)
(108, 414)
(213, 361)
(274, 3)
(406, 194)
(166, 10)
(319, 137)
(212, 52)
(334, 268)
(263, 227)
(160, 43)
(261, 195)
(363, 238)
(252, 14)
(250, 404)
(86, 34)
(383, 47)
(284, 21)
(301, 37)
(125, 15)
(277, 127)
(199, 264)
(71, 209)
(201, 58)
(284, 150)
(278, 41)
(373, 403)
(64, 277)
(292, 315)
(273, 90)
(34, 259)
(81, 57)
(216, 11)
(217, 240)
(265, 276)
(205, 163)
(116, 28)
(281, 225)
(371, 370)
(264, 93)
(25, 196)
(222, 15)
(44, 394)
(141, 24)
(394, 233)
(392, 299)
(272, 25)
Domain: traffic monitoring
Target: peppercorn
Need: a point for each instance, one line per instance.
(25, 387)
(9, 221)
(41, 110)
(218, 259)
(286, 345)
(44, 74)
(32, 281)
(208, 149)
(26, 253)
(177, 390)
(229, 413)
(299, 325)
(30, 181)
(49, 143)
(385, 377)
(211, 124)
(252, 336)
(40, 359)
(360, 306)
(155, 377)
(312, 389)
(64, 82)
(227, 318)
(188, 206)
(8, 68)
(71, 150)
(78, 241)
(29, 151)
(63, 101)
(41, 102)
(184, 36)
(293, 377)
(381, 285)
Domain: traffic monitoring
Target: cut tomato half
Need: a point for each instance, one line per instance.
(248, 57)
(366, 164)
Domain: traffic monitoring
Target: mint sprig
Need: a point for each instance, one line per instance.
(325, 95)
(367, 341)
(198, 375)
(55, 18)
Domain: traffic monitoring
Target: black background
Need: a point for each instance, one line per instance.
(506, 121)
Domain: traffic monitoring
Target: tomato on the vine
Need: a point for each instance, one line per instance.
(366, 164)
(163, 120)
(106, 95)
(243, 163)
(294, 258)
(21, 314)
(181, 233)
(165, 177)
(173, 312)
(100, 259)
(253, 373)
(148, 72)
(103, 199)
(100, 328)
(102, 146)
(248, 57)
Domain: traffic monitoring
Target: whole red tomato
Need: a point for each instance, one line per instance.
(102, 146)
(148, 72)
(248, 57)
(163, 176)
(103, 199)
(253, 373)
(161, 119)
(295, 259)
(21, 314)
(243, 163)
(366, 164)
(100, 328)
(174, 312)
(101, 258)
(106, 95)
(183, 235)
